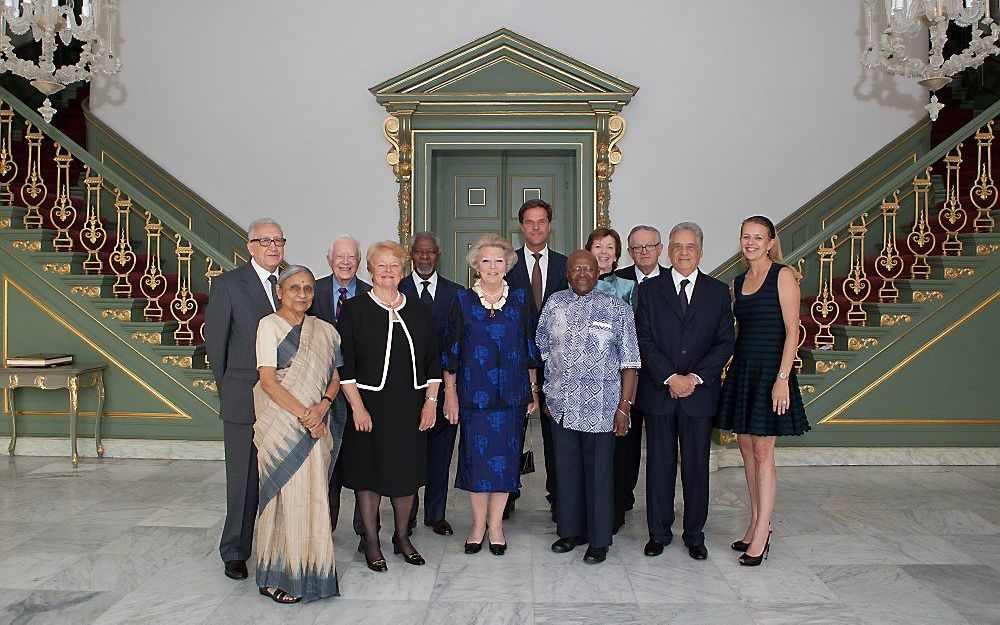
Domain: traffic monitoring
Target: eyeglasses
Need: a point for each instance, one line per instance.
(267, 241)
(649, 247)
(584, 270)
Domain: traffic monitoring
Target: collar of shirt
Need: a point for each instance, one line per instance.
(263, 275)
(419, 283)
(352, 288)
(678, 277)
(652, 274)
(529, 263)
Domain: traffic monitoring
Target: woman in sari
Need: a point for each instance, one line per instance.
(298, 439)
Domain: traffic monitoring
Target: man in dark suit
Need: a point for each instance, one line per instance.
(344, 257)
(684, 323)
(542, 272)
(437, 292)
(644, 246)
(239, 300)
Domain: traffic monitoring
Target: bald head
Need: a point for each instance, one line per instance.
(581, 271)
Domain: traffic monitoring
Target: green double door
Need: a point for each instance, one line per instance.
(480, 192)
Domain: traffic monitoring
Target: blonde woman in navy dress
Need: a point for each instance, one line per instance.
(760, 397)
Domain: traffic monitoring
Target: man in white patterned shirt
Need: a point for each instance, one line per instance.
(588, 342)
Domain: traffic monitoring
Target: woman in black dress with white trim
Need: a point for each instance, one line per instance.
(760, 397)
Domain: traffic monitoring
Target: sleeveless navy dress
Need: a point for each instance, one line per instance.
(745, 399)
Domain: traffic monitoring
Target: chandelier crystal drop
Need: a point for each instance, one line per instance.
(55, 22)
(902, 24)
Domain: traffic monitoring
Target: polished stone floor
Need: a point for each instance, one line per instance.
(135, 541)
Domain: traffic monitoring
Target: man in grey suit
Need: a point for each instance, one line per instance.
(344, 257)
(239, 300)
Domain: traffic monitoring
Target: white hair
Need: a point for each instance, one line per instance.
(691, 226)
(343, 237)
(257, 223)
(641, 228)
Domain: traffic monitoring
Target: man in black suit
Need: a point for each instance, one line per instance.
(684, 323)
(644, 246)
(239, 300)
(542, 272)
(437, 292)
(344, 257)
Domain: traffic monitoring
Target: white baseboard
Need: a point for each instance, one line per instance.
(118, 448)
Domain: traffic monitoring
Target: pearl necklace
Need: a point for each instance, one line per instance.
(484, 297)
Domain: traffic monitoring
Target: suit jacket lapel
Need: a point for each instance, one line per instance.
(256, 289)
(694, 298)
(670, 294)
(551, 277)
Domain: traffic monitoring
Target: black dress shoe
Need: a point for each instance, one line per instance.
(411, 558)
(595, 555)
(236, 569)
(564, 545)
(440, 527)
(653, 548)
(698, 552)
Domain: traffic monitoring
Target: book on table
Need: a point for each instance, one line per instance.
(40, 360)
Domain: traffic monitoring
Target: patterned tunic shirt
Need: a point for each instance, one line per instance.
(585, 343)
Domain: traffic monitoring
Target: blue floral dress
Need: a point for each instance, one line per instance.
(491, 355)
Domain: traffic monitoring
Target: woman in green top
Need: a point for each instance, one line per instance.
(606, 245)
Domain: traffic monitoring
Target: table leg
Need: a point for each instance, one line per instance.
(100, 413)
(13, 422)
(74, 407)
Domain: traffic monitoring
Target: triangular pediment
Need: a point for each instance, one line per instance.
(503, 65)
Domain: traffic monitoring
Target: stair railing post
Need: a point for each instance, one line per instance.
(8, 166)
(123, 259)
(857, 287)
(33, 191)
(93, 236)
(984, 193)
(825, 310)
(183, 306)
(153, 285)
(62, 215)
(953, 217)
(921, 240)
(889, 265)
(797, 363)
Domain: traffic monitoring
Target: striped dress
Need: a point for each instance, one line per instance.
(745, 401)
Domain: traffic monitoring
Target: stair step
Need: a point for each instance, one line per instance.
(90, 286)
(121, 309)
(181, 356)
(856, 338)
(202, 380)
(151, 333)
(827, 361)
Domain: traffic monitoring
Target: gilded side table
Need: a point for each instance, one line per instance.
(70, 377)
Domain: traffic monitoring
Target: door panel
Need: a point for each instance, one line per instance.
(479, 192)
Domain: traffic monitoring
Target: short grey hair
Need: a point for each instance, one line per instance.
(641, 228)
(691, 226)
(426, 234)
(263, 221)
(343, 237)
(293, 270)
(491, 240)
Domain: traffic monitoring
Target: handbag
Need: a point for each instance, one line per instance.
(527, 456)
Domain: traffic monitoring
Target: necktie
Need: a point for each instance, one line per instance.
(536, 282)
(274, 291)
(340, 302)
(425, 295)
(684, 296)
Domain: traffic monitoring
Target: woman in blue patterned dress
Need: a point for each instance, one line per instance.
(489, 364)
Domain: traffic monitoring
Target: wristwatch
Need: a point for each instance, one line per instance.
(327, 398)
(782, 375)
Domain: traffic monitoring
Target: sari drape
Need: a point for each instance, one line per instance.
(293, 535)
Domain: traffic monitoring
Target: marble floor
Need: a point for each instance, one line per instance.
(135, 541)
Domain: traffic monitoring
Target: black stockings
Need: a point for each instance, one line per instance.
(368, 501)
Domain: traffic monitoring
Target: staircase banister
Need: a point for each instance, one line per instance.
(893, 183)
(109, 176)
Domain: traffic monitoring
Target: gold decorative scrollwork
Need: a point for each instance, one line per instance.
(62, 214)
(74, 394)
(123, 259)
(888, 320)
(93, 236)
(857, 287)
(4, 222)
(726, 438)
(921, 239)
(889, 265)
(118, 314)
(610, 129)
(150, 338)
(807, 388)
(8, 166)
(28, 246)
(183, 307)
(397, 131)
(826, 366)
(984, 193)
(825, 309)
(153, 284)
(952, 273)
(855, 343)
(33, 191)
(922, 297)
(952, 217)
(208, 385)
(13, 380)
(797, 362)
(57, 268)
(86, 291)
(987, 249)
(178, 361)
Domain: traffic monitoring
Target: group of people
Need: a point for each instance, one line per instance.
(335, 383)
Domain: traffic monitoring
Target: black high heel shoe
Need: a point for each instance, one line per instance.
(742, 547)
(411, 558)
(471, 548)
(748, 560)
(378, 565)
(498, 549)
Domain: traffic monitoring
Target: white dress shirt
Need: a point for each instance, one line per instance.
(639, 276)
(543, 263)
(263, 274)
(419, 283)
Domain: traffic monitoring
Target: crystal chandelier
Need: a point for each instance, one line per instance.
(906, 20)
(59, 21)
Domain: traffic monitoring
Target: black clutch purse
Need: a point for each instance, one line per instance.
(527, 457)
